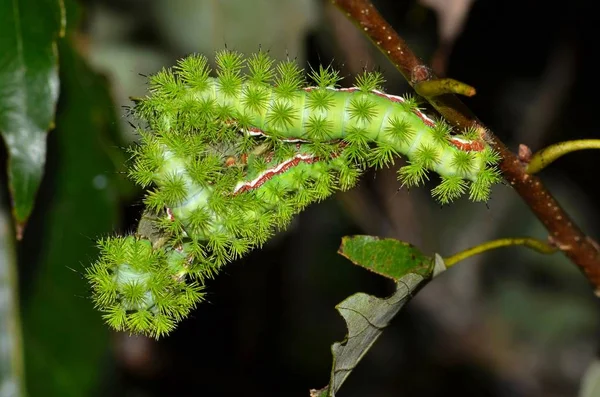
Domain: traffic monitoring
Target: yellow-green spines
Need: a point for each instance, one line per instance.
(325, 77)
(140, 289)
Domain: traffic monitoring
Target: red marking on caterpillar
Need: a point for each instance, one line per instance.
(393, 98)
(466, 145)
(399, 99)
(271, 172)
(349, 89)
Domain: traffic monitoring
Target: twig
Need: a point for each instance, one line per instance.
(547, 155)
(579, 248)
(438, 87)
(537, 245)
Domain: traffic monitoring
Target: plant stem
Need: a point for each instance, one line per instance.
(546, 156)
(438, 87)
(535, 244)
(579, 248)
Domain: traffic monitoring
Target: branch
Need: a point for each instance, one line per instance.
(565, 234)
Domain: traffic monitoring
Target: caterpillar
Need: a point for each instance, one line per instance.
(228, 160)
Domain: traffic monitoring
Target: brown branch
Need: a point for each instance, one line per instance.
(579, 248)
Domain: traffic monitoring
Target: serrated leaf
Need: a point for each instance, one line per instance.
(386, 256)
(29, 86)
(367, 316)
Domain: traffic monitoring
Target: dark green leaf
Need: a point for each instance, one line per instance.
(29, 88)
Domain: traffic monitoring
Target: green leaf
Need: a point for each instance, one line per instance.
(29, 87)
(66, 342)
(385, 256)
(367, 316)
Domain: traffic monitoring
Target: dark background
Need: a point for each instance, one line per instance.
(508, 323)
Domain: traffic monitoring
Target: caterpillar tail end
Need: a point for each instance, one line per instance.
(142, 290)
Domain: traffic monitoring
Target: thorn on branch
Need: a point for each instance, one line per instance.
(524, 154)
(421, 74)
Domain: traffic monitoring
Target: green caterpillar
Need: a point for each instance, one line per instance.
(229, 160)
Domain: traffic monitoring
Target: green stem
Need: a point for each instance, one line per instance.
(533, 243)
(546, 156)
(437, 87)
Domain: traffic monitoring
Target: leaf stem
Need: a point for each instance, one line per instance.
(546, 156)
(535, 244)
(439, 87)
(582, 250)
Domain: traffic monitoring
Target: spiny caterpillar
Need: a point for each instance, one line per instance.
(229, 160)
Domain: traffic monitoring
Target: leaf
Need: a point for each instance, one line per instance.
(29, 87)
(66, 342)
(367, 316)
(11, 355)
(385, 256)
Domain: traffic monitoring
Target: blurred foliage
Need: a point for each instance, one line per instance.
(28, 93)
(591, 381)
